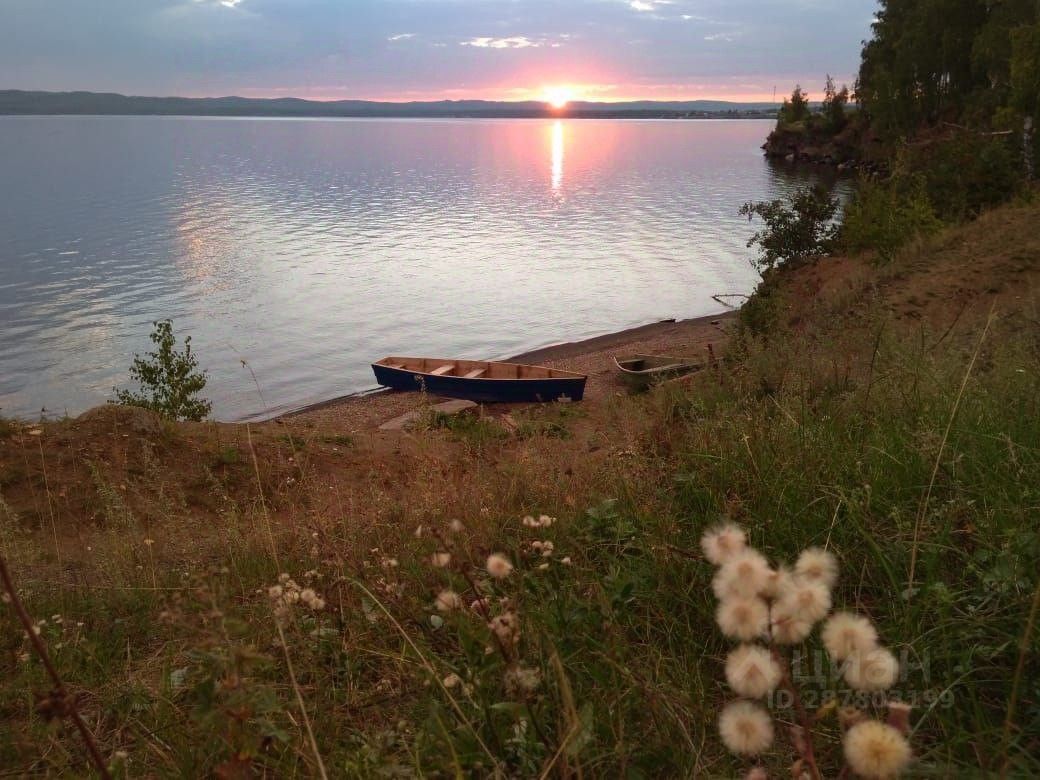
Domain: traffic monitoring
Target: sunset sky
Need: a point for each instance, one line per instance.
(433, 49)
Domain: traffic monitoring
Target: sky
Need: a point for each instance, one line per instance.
(433, 49)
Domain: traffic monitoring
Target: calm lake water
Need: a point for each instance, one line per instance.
(309, 248)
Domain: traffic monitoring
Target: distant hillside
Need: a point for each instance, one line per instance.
(23, 102)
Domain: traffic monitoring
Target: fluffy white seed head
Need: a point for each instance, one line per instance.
(817, 565)
(498, 566)
(846, 633)
(440, 559)
(723, 542)
(806, 600)
(873, 670)
(752, 671)
(787, 628)
(875, 750)
(743, 619)
(447, 601)
(744, 575)
(746, 728)
(779, 583)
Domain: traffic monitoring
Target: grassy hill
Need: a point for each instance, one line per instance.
(890, 412)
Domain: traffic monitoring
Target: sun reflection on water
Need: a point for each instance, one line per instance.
(557, 155)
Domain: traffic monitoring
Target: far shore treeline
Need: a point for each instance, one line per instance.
(13, 101)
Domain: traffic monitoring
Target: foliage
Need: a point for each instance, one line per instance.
(169, 379)
(834, 103)
(884, 216)
(795, 230)
(795, 109)
(935, 59)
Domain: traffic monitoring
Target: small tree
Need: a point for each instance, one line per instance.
(794, 231)
(170, 382)
(796, 108)
(834, 102)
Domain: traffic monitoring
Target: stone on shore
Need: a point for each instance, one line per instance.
(408, 419)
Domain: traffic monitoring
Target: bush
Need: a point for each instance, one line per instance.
(170, 382)
(885, 216)
(794, 231)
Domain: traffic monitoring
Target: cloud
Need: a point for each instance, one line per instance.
(648, 5)
(514, 42)
(401, 37)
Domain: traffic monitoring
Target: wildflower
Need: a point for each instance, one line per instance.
(745, 728)
(506, 627)
(498, 566)
(312, 599)
(817, 565)
(846, 633)
(520, 680)
(480, 605)
(873, 670)
(455, 526)
(529, 521)
(451, 680)
(545, 548)
(440, 559)
(566, 560)
(388, 563)
(788, 629)
(283, 578)
(876, 750)
(752, 672)
(778, 583)
(543, 566)
(723, 542)
(745, 573)
(741, 618)
(806, 600)
(545, 521)
(448, 600)
(274, 592)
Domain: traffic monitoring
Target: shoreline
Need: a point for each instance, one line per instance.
(561, 353)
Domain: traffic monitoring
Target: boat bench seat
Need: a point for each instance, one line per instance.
(395, 365)
(442, 370)
(474, 373)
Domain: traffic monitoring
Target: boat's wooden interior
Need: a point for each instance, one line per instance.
(475, 369)
(651, 362)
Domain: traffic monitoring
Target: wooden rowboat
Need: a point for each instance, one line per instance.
(641, 371)
(487, 381)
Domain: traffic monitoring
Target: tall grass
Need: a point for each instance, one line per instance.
(618, 668)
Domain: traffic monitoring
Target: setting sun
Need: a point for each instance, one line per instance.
(559, 96)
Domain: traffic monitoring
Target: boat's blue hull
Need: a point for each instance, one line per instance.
(482, 390)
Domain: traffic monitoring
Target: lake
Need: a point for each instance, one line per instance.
(299, 251)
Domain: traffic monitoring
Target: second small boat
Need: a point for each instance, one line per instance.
(487, 381)
(641, 371)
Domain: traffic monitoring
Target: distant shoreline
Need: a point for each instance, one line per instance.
(35, 103)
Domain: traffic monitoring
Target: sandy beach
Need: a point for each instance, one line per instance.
(687, 338)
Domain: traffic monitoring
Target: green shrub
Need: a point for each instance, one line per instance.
(885, 216)
(169, 379)
(795, 230)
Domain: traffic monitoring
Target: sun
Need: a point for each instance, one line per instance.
(558, 97)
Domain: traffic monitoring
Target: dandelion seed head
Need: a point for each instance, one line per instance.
(872, 670)
(275, 592)
(778, 583)
(752, 671)
(440, 559)
(817, 565)
(566, 560)
(742, 618)
(498, 566)
(745, 728)
(788, 629)
(447, 601)
(723, 542)
(456, 526)
(846, 633)
(520, 680)
(806, 600)
(875, 750)
(506, 627)
(744, 574)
